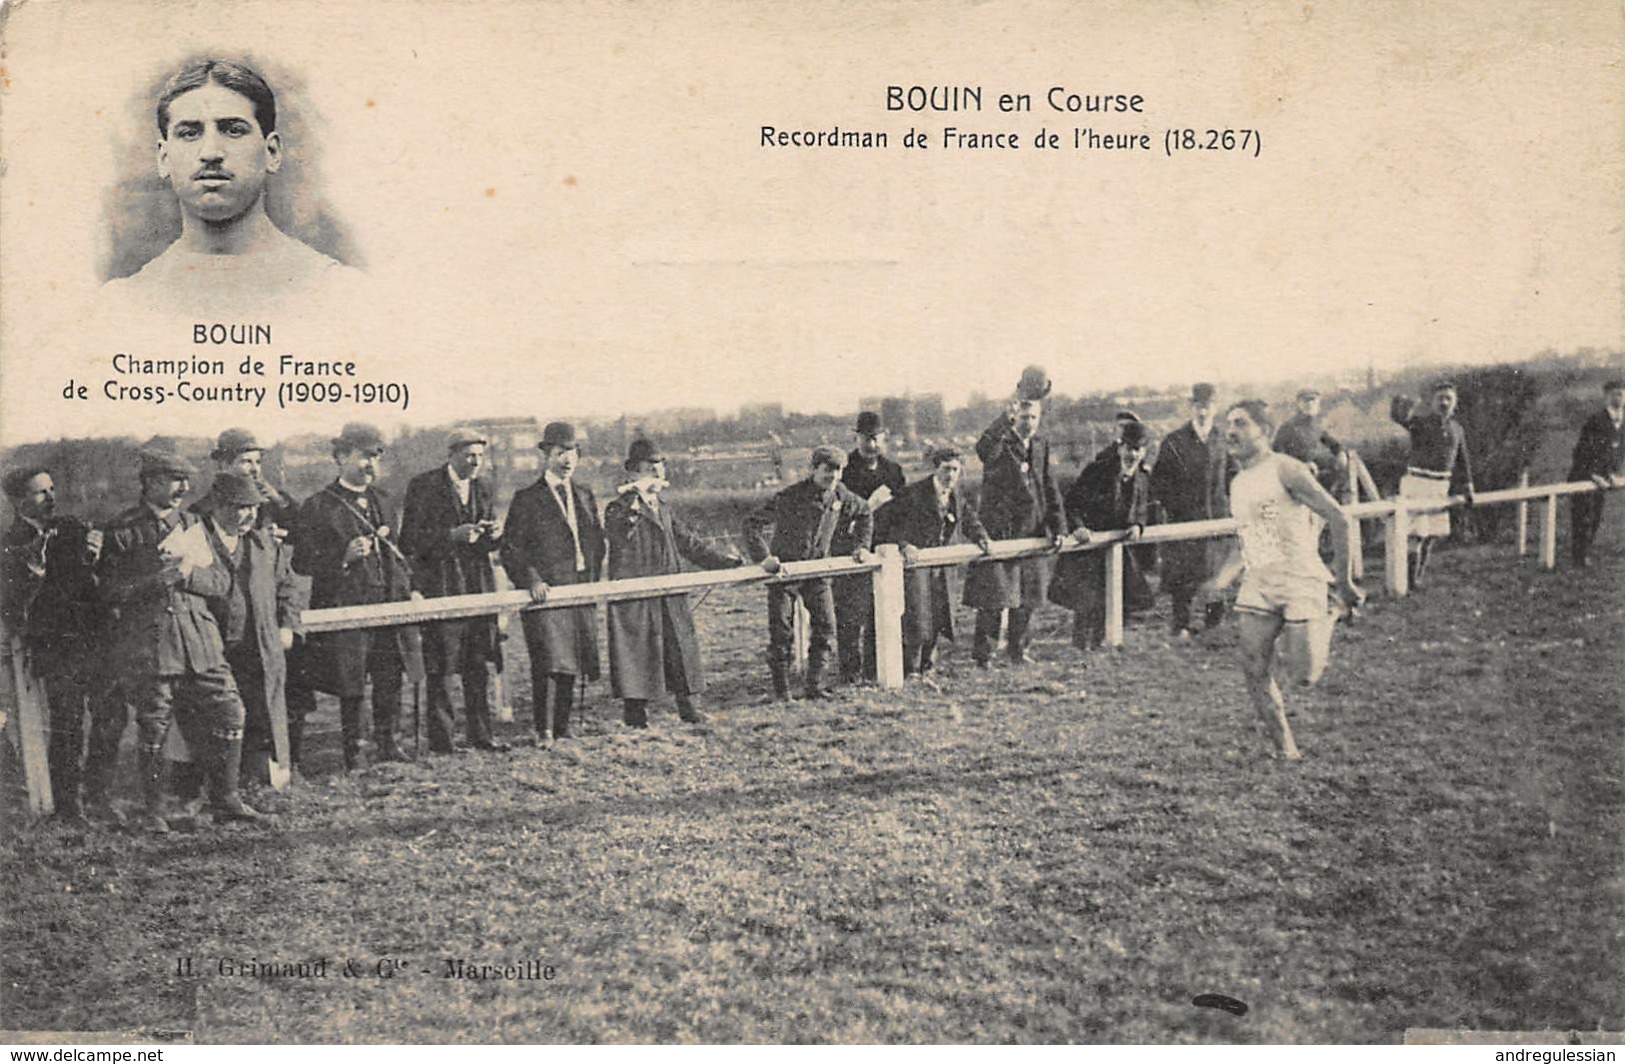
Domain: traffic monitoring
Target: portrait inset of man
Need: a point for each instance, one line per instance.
(219, 149)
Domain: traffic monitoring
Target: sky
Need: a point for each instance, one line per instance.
(569, 210)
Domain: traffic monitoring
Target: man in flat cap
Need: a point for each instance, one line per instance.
(1599, 456)
(1020, 499)
(345, 542)
(554, 538)
(875, 479)
(449, 532)
(803, 518)
(48, 604)
(158, 574)
(1112, 493)
(258, 615)
(931, 512)
(1190, 483)
(1303, 437)
(1438, 452)
(218, 148)
(652, 644)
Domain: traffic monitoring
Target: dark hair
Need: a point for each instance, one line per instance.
(1256, 409)
(234, 76)
(16, 480)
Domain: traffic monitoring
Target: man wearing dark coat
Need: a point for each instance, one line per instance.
(49, 607)
(1190, 483)
(875, 479)
(1438, 452)
(345, 542)
(804, 517)
(449, 532)
(553, 539)
(1304, 438)
(1113, 492)
(1020, 499)
(258, 615)
(931, 512)
(1599, 456)
(652, 644)
(157, 575)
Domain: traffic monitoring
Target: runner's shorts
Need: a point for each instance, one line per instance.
(1419, 484)
(1292, 598)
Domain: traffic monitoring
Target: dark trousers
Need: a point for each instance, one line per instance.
(988, 623)
(1585, 518)
(781, 621)
(109, 717)
(1089, 623)
(917, 653)
(671, 663)
(468, 653)
(68, 695)
(1182, 599)
(259, 744)
(855, 627)
(562, 686)
(384, 669)
(206, 705)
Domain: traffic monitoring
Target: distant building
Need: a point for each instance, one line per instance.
(513, 443)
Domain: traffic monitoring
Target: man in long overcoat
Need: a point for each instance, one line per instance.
(875, 479)
(258, 615)
(652, 645)
(449, 532)
(554, 538)
(1113, 492)
(1599, 456)
(1190, 482)
(931, 512)
(1019, 499)
(345, 542)
(167, 650)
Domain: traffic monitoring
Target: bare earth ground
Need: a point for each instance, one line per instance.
(1057, 852)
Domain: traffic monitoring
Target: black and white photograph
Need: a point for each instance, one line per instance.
(866, 524)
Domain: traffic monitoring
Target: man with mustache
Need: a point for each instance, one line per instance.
(48, 605)
(167, 647)
(1438, 449)
(218, 147)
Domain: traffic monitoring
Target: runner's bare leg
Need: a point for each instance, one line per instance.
(1257, 632)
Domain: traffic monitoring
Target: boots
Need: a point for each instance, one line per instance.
(226, 771)
(186, 783)
(296, 740)
(781, 681)
(636, 713)
(687, 712)
(815, 677)
(152, 791)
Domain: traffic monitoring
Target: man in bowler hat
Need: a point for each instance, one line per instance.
(1190, 482)
(652, 644)
(345, 542)
(449, 532)
(875, 479)
(1599, 456)
(554, 539)
(1020, 499)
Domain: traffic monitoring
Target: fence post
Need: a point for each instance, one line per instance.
(1548, 534)
(888, 591)
(1523, 517)
(29, 712)
(1397, 549)
(799, 643)
(1114, 594)
(1351, 493)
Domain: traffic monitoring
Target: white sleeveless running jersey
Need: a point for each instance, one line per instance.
(1279, 535)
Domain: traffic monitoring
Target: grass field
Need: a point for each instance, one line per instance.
(1068, 851)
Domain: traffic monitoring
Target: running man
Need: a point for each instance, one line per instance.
(1275, 500)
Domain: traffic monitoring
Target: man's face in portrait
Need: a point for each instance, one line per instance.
(1615, 400)
(1444, 402)
(38, 499)
(1028, 415)
(948, 474)
(561, 461)
(468, 460)
(164, 492)
(359, 468)
(215, 156)
(1243, 435)
(872, 445)
(825, 476)
(1309, 406)
(248, 463)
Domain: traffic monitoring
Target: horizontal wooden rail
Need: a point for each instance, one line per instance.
(462, 607)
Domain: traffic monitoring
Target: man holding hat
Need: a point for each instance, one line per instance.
(931, 512)
(1019, 499)
(1113, 492)
(449, 532)
(258, 616)
(1302, 437)
(554, 538)
(652, 644)
(345, 542)
(1190, 481)
(1438, 450)
(875, 479)
(239, 451)
(158, 575)
(804, 517)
